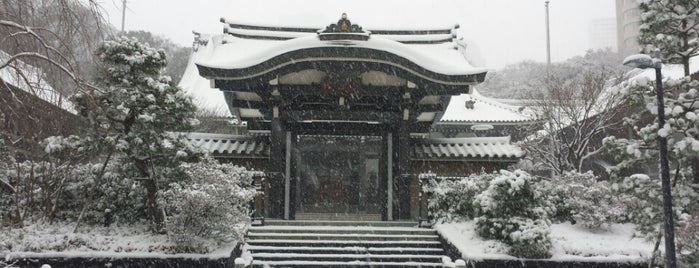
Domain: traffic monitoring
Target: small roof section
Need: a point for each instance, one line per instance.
(205, 97)
(477, 109)
(487, 148)
(32, 80)
(227, 145)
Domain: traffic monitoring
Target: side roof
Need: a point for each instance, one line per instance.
(32, 80)
(482, 110)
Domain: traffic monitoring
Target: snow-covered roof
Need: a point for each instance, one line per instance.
(473, 147)
(204, 97)
(485, 110)
(31, 79)
(250, 53)
(242, 146)
(674, 71)
(440, 58)
(430, 54)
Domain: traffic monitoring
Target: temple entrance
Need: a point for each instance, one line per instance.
(338, 176)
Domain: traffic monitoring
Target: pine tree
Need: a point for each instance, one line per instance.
(636, 176)
(673, 27)
(135, 116)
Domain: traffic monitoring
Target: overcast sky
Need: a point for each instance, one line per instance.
(505, 31)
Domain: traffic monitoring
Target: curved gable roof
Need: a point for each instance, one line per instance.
(435, 61)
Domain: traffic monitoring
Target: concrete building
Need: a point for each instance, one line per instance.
(603, 34)
(628, 19)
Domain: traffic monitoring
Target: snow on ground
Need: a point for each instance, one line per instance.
(570, 242)
(58, 240)
(573, 242)
(464, 237)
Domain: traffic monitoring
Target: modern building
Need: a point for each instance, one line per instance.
(628, 19)
(603, 34)
(343, 120)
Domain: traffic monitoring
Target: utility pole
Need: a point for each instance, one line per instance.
(548, 75)
(548, 42)
(123, 14)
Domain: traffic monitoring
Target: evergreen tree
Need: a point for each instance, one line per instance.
(135, 116)
(673, 27)
(636, 175)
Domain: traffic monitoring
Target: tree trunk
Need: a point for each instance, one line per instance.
(154, 212)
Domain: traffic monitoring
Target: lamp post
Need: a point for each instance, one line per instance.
(645, 62)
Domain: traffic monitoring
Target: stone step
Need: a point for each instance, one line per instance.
(343, 230)
(348, 237)
(347, 257)
(345, 249)
(342, 243)
(338, 216)
(275, 222)
(339, 264)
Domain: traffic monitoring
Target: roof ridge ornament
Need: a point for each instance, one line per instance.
(343, 30)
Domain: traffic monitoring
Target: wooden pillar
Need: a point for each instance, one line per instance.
(402, 177)
(277, 164)
(289, 203)
(385, 171)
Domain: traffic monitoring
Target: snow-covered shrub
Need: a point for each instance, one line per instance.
(643, 199)
(513, 210)
(6, 162)
(210, 206)
(452, 199)
(581, 198)
(688, 242)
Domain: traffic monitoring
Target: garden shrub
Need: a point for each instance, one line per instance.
(211, 206)
(582, 198)
(514, 211)
(452, 199)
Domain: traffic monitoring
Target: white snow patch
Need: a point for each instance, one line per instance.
(59, 241)
(570, 242)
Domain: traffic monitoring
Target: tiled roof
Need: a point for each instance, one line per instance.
(477, 147)
(231, 145)
(484, 111)
(434, 149)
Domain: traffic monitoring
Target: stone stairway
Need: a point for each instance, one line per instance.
(317, 243)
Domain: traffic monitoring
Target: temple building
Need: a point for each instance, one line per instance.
(342, 120)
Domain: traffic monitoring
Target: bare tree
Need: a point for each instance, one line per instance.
(576, 114)
(56, 36)
(46, 51)
(45, 56)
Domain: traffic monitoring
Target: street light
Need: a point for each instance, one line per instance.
(645, 62)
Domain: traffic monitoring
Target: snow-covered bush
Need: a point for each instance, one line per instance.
(581, 198)
(6, 162)
(513, 210)
(210, 206)
(643, 197)
(451, 199)
(688, 242)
